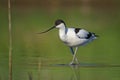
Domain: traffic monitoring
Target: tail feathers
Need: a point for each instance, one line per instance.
(95, 35)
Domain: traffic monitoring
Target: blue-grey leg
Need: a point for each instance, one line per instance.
(72, 51)
(74, 55)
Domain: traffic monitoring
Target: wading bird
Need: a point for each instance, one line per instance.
(72, 37)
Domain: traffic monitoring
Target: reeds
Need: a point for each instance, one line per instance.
(30, 76)
(10, 40)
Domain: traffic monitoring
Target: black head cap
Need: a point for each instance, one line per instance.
(59, 21)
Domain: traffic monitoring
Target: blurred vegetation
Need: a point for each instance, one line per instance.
(30, 17)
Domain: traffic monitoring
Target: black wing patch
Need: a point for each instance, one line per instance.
(77, 30)
(89, 35)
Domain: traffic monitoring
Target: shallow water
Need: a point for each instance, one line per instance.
(85, 72)
(38, 69)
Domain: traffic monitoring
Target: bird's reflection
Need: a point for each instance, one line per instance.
(76, 72)
(76, 68)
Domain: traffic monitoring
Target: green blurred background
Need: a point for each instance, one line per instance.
(32, 16)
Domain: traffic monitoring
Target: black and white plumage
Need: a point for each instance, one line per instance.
(73, 37)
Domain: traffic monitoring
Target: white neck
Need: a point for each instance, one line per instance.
(62, 32)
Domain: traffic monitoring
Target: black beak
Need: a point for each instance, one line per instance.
(47, 30)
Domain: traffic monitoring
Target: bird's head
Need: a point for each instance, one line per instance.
(58, 24)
